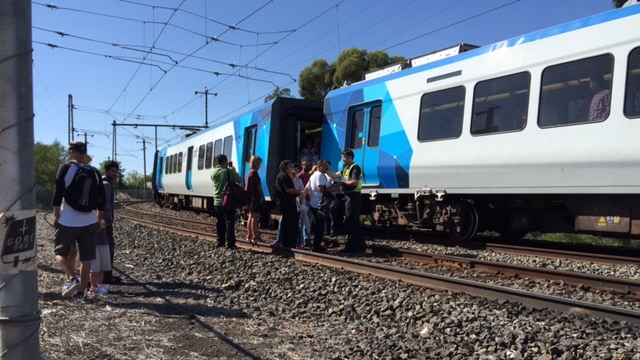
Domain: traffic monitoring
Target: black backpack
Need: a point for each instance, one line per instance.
(82, 193)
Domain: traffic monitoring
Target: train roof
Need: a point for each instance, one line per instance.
(625, 11)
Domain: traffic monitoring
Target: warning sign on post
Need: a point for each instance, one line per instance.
(18, 234)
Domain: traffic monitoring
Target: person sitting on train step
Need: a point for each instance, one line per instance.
(601, 101)
(225, 218)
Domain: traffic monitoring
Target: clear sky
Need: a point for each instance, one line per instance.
(142, 61)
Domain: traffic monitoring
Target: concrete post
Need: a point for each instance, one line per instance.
(19, 315)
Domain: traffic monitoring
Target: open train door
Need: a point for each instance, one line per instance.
(364, 139)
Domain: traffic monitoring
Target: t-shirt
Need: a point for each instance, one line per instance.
(317, 179)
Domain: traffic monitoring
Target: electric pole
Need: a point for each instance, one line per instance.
(144, 161)
(206, 105)
(19, 314)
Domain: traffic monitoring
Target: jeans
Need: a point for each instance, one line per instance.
(304, 225)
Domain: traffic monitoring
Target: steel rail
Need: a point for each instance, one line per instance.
(432, 281)
(613, 284)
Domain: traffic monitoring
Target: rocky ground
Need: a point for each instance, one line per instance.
(186, 299)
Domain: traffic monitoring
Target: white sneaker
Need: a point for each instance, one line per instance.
(70, 288)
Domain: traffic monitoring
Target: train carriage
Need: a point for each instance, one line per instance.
(273, 131)
(502, 137)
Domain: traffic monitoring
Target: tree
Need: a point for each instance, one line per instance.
(618, 3)
(134, 180)
(350, 66)
(47, 160)
(316, 81)
(278, 93)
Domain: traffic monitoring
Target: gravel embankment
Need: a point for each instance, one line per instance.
(185, 298)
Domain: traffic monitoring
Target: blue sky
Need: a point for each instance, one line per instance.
(142, 61)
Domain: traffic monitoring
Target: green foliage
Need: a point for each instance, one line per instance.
(47, 160)
(286, 92)
(317, 80)
(134, 180)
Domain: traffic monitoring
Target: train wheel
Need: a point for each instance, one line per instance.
(465, 224)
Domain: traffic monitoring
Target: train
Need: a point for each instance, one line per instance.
(534, 133)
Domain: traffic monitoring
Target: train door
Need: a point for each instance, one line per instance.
(248, 148)
(188, 181)
(159, 172)
(364, 140)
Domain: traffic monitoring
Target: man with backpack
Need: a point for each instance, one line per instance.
(78, 193)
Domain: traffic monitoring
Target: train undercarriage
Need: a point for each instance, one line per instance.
(462, 216)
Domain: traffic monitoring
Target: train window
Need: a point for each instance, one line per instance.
(217, 150)
(441, 114)
(208, 159)
(201, 154)
(179, 168)
(374, 126)
(167, 160)
(576, 92)
(174, 163)
(500, 105)
(632, 92)
(227, 146)
(357, 125)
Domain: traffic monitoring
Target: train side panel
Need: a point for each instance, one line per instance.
(506, 147)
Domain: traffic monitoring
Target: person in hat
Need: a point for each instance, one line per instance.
(75, 226)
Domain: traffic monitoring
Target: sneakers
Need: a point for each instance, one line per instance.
(78, 296)
(276, 244)
(70, 288)
(101, 290)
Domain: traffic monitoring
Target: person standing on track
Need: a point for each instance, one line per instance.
(225, 218)
(111, 175)
(351, 186)
(76, 226)
(256, 194)
(287, 193)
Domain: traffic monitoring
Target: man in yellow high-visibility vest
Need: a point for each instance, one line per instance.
(351, 186)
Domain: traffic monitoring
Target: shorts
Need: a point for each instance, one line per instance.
(102, 262)
(84, 237)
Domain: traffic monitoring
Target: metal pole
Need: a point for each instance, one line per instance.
(206, 106)
(19, 314)
(71, 127)
(144, 178)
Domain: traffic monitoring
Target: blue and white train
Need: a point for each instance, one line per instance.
(508, 137)
(182, 172)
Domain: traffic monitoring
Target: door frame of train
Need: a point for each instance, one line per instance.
(188, 177)
(366, 119)
(249, 141)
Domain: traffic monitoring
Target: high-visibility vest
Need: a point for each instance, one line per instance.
(347, 176)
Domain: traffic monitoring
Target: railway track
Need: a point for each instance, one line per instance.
(439, 282)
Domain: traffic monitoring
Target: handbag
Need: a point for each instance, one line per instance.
(234, 196)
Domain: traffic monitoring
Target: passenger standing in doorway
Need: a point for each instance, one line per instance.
(287, 193)
(225, 218)
(351, 186)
